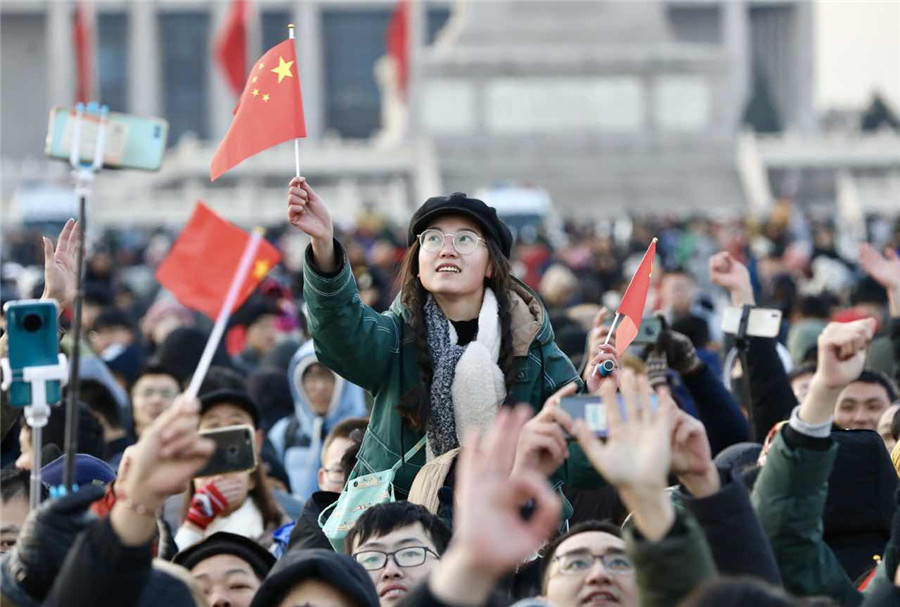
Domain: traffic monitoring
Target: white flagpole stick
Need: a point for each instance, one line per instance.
(611, 329)
(225, 312)
(296, 140)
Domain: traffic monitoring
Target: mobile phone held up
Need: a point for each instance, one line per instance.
(132, 142)
(649, 332)
(33, 342)
(593, 411)
(761, 322)
(235, 451)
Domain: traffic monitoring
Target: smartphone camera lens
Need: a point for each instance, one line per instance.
(231, 453)
(32, 323)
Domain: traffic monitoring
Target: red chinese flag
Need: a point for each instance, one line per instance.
(632, 307)
(269, 112)
(201, 265)
(397, 43)
(231, 46)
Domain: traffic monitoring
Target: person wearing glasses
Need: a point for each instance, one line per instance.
(462, 338)
(588, 566)
(398, 544)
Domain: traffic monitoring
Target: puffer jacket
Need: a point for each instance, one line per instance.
(378, 353)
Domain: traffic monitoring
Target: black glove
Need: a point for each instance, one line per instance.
(680, 352)
(46, 538)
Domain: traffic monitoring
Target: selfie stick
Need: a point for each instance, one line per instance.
(84, 179)
(742, 343)
(608, 366)
(37, 414)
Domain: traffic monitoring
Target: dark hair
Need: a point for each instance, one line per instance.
(100, 401)
(385, 518)
(801, 370)
(740, 591)
(111, 318)
(694, 328)
(814, 306)
(155, 368)
(583, 527)
(348, 460)
(415, 405)
(90, 433)
(222, 378)
(877, 377)
(345, 429)
(16, 482)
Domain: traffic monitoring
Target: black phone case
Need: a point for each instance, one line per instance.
(234, 452)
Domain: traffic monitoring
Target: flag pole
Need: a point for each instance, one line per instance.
(611, 329)
(296, 140)
(225, 312)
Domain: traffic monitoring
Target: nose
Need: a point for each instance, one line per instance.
(218, 599)
(447, 249)
(391, 570)
(597, 574)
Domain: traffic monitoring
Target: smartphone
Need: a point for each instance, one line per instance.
(762, 322)
(592, 410)
(33, 342)
(131, 142)
(235, 451)
(649, 331)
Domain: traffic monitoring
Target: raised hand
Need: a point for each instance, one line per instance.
(729, 273)
(636, 456)
(166, 457)
(542, 444)
(691, 456)
(842, 356)
(307, 212)
(60, 265)
(488, 521)
(883, 268)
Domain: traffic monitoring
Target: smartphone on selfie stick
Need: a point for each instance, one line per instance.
(34, 372)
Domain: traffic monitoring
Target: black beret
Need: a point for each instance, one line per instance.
(460, 204)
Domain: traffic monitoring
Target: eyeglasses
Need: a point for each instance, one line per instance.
(334, 473)
(373, 560)
(464, 241)
(165, 393)
(580, 562)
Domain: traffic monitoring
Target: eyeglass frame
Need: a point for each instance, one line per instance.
(594, 558)
(393, 556)
(479, 239)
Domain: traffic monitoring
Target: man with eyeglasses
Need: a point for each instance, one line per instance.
(398, 544)
(588, 566)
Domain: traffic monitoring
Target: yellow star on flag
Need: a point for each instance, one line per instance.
(283, 70)
(255, 78)
(266, 97)
(260, 268)
(261, 65)
(255, 92)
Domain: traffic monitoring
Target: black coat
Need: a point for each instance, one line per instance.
(307, 533)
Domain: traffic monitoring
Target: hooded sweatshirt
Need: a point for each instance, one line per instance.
(298, 438)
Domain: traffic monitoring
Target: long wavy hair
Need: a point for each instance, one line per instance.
(415, 405)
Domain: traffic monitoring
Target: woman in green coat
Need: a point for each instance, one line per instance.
(463, 337)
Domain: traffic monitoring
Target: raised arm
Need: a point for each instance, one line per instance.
(350, 337)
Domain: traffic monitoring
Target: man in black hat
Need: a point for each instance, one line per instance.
(316, 577)
(229, 568)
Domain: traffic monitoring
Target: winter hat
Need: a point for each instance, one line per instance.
(182, 349)
(222, 542)
(338, 570)
(88, 471)
(238, 398)
(271, 390)
(460, 204)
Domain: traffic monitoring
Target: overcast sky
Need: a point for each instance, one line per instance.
(858, 50)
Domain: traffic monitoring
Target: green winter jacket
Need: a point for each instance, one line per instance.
(377, 352)
(789, 500)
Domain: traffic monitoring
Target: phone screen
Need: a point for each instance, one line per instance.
(592, 410)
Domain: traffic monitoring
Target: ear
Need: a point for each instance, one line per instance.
(489, 272)
(321, 477)
(260, 439)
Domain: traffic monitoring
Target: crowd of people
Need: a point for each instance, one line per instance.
(404, 390)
